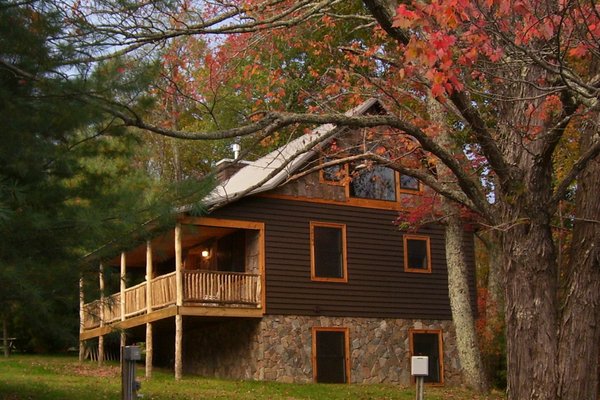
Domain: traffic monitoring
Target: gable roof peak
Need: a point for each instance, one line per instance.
(271, 170)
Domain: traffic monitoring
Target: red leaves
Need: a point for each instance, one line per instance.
(405, 18)
(451, 38)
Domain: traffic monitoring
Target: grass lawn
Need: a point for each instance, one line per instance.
(24, 377)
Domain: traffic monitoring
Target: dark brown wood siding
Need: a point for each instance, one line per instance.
(377, 284)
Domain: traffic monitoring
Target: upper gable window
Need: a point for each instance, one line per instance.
(328, 252)
(409, 183)
(334, 174)
(417, 254)
(375, 182)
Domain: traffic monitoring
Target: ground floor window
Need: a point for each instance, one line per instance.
(429, 343)
(330, 348)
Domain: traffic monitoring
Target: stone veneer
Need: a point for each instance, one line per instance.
(279, 348)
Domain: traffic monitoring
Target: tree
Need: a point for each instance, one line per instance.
(67, 182)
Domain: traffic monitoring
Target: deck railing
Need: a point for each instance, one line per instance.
(221, 287)
(163, 290)
(135, 300)
(112, 308)
(200, 288)
(91, 312)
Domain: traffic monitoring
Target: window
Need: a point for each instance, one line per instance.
(330, 347)
(328, 252)
(334, 174)
(429, 343)
(417, 254)
(409, 183)
(374, 182)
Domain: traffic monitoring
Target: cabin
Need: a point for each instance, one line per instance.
(302, 280)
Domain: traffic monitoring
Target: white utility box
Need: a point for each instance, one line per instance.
(419, 365)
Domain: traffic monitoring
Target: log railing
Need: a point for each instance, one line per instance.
(200, 288)
(135, 299)
(163, 290)
(221, 287)
(112, 308)
(91, 312)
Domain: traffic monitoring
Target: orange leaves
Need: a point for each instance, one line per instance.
(551, 108)
(579, 51)
(328, 21)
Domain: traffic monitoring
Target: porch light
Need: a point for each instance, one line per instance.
(205, 253)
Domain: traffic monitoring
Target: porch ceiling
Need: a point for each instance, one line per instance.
(163, 246)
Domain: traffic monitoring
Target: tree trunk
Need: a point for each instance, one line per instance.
(495, 282)
(460, 301)
(458, 272)
(580, 324)
(531, 319)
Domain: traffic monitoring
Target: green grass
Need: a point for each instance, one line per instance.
(25, 377)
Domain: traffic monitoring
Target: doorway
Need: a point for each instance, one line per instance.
(330, 355)
(429, 343)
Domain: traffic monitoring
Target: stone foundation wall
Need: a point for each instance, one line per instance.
(379, 348)
(279, 348)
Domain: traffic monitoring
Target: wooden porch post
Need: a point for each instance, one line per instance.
(179, 303)
(123, 287)
(102, 305)
(149, 276)
(81, 318)
(5, 335)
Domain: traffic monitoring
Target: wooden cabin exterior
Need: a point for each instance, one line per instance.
(300, 281)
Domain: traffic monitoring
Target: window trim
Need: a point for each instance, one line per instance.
(345, 331)
(313, 274)
(343, 180)
(418, 191)
(375, 203)
(440, 334)
(407, 268)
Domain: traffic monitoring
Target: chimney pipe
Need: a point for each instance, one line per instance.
(236, 150)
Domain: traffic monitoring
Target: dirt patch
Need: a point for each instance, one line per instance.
(88, 369)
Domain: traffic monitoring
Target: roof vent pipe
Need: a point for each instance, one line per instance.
(236, 150)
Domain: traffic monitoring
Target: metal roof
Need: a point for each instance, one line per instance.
(269, 171)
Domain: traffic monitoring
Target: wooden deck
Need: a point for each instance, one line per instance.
(205, 293)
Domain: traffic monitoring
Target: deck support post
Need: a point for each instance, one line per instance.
(149, 350)
(149, 276)
(102, 307)
(123, 281)
(178, 346)
(81, 318)
(179, 303)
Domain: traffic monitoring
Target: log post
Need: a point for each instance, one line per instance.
(123, 287)
(179, 303)
(102, 306)
(149, 276)
(178, 266)
(81, 318)
(5, 335)
(178, 346)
